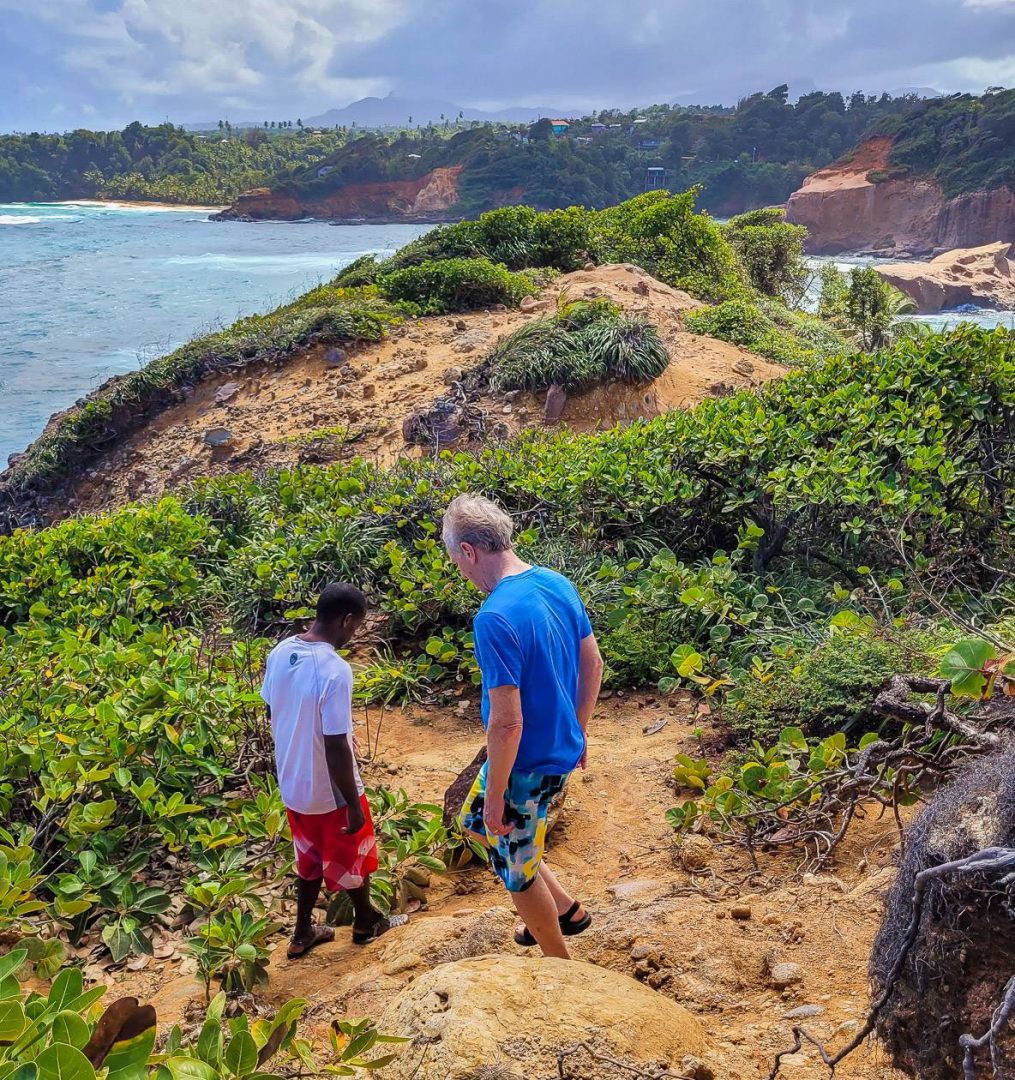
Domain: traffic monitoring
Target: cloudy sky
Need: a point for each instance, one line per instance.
(102, 63)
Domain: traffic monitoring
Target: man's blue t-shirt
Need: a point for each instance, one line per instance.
(528, 634)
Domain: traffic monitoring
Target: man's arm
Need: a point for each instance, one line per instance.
(503, 734)
(342, 770)
(590, 679)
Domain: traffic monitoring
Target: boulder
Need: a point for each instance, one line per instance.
(523, 1013)
(980, 276)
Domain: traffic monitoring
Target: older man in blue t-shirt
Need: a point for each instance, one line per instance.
(541, 675)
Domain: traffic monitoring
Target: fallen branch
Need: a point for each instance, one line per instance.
(633, 1070)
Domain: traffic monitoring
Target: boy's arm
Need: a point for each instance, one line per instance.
(342, 770)
(336, 727)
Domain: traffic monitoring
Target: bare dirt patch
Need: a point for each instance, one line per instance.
(313, 410)
(671, 929)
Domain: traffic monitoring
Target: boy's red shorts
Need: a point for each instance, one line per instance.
(324, 850)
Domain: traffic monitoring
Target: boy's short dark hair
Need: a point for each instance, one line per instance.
(338, 600)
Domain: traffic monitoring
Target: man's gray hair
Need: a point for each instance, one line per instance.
(471, 519)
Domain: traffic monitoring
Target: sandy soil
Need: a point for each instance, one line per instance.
(614, 848)
(273, 412)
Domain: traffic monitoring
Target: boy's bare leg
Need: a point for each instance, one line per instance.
(306, 935)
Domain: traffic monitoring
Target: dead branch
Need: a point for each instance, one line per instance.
(634, 1070)
(895, 702)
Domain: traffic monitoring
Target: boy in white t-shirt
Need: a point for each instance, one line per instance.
(308, 690)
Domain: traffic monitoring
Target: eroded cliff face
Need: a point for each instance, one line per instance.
(428, 198)
(844, 211)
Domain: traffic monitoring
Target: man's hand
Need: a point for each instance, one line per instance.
(356, 819)
(583, 761)
(493, 816)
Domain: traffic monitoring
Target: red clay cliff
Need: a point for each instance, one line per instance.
(427, 198)
(845, 211)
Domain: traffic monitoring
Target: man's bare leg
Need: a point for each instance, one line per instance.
(562, 899)
(538, 911)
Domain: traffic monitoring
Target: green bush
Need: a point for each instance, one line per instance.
(743, 323)
(662, 233)
(585, 343)
(456, 285)
(828, 688)
(771, 252)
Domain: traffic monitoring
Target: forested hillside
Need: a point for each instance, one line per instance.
(752, 155)
(163, 163)
(966, 142)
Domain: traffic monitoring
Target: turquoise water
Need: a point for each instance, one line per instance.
(944, 320)
(91, 291)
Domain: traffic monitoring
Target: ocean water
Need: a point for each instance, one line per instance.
(90, 291)
(944, 320)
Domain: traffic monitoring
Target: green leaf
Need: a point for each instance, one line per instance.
(12, 961)
(190, 1068)
(793, 737)
(128, 1058)
(12, 1020)
(209, 1042)
(964, 664)
(69, 1027)
(63, 1062)
(240, 1056)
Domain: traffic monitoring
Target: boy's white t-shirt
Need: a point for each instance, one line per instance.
(308, 688)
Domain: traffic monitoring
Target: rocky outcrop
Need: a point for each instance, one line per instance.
(855, 205)
(981, 276)
(521, 1013)
(428, 198)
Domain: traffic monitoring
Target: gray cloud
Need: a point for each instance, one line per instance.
(110, 61)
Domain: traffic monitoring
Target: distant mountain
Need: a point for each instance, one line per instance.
(392, 111)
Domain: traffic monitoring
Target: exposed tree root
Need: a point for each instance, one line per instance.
(990, 860)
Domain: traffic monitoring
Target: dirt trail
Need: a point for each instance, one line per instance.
(306, 411)
(653, 919)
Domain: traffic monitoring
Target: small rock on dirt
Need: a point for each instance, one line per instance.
(633, 890)
(335, 357)
(695, 852)
(226, 393)
(589, 266)
(804, 1012)
(461, 324)
(785, 974)
(696, 1069)
(403, 962)
(452, 375)
(369, 390)
(218, 436)
(528, 303)
(743, 367)
(556, 399)
(741, 911)
(641, 288)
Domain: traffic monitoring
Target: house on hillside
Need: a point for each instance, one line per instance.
(560, 126)
(648, 144)
(597, 128)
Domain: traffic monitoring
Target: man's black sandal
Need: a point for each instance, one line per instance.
(567, 927)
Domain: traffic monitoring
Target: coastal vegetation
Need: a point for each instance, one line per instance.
(965, 142)
(780, 552)
(752, 155)
(162, 163)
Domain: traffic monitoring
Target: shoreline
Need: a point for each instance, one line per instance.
(132, 204)
(117, 204)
